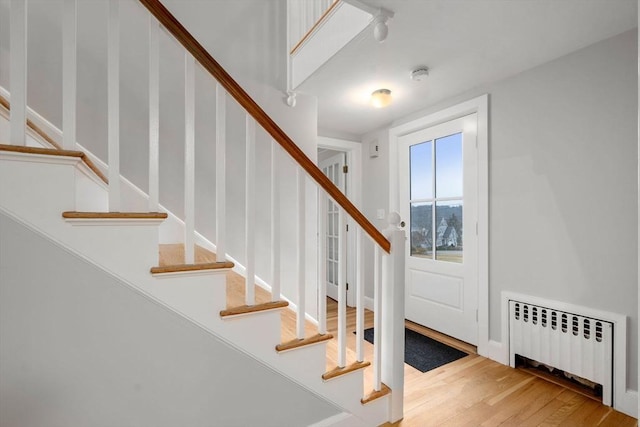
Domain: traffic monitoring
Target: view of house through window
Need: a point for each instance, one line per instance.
(436, 199)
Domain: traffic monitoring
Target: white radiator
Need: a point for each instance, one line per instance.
(576, 344)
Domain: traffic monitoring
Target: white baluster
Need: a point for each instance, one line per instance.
(342, 289)
(69, 74)
(18, 70)
(113, 104)
(301, 256)
(154, 115)
(377, 319)
(322, 262)
(359, 298)
(275, 223)
(189, 158)
(250, 297)
(221, 202)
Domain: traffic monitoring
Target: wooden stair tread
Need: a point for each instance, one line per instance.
(114, 215)
(338, 371)
(40, 150)
(178, 268)
(246, 309)
(384, 390)
(297, 343)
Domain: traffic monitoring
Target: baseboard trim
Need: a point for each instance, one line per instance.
(343, 419)
(496, 352)
(628, 403)
(368, 303)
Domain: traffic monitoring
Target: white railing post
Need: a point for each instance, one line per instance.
(113, 104)
(322, 262)
(377, 318)
(69, 74)
(189, 158)
(300, 302)
(250, 211)
(275, 223)
(221, 202)
(154, 115)
(18, 70)
(393, 288)
(342, 288)
(359, 298)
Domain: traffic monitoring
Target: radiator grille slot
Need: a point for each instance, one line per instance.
(571, 342)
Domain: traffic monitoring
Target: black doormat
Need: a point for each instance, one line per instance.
(423, 353)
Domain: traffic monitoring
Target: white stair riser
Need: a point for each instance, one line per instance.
(127, 250)
(315, 360)
(37, 189)
(91, 195)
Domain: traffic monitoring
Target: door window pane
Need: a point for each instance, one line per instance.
(330, 248)
(449, 166)
(421, 173)
(421, 230)
(330, 278)
(449, 231)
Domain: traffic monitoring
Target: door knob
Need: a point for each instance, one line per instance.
(402, 224)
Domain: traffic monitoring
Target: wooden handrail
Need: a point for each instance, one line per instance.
(173, 26)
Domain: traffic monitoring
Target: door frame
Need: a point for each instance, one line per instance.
(480, 106)
(337, 160)
(353, 183)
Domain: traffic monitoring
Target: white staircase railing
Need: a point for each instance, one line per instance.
(389, 249)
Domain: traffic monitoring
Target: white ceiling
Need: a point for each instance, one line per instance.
(465, 44)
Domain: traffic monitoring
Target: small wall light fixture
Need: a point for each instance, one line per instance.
(381, 98)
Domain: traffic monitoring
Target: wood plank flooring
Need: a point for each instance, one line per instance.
(472, 391)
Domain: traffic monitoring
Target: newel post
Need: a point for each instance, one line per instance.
(393, 269)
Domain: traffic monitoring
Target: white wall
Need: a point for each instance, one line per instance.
(81, 348)
(562, 182)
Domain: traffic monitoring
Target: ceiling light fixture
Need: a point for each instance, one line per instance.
(381, 98)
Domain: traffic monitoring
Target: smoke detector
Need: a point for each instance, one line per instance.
(420, 74)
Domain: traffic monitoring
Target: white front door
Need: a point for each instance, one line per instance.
(333, 168)
(439, 204)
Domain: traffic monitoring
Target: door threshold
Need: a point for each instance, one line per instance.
(443, 338)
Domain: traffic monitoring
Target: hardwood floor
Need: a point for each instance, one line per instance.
(472, 391)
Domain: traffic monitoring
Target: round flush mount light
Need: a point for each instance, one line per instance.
(381, 98)
(420, 74)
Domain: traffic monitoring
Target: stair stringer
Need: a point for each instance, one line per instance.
(36, 189)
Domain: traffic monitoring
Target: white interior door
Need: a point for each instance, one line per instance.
(333, 168)
(438, 202)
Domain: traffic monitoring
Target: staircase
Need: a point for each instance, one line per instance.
(72, 198)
